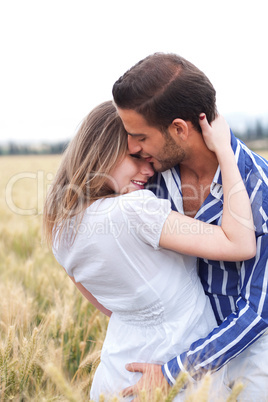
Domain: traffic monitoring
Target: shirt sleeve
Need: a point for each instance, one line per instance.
(146, 215)
(238, 330)
(247, 323)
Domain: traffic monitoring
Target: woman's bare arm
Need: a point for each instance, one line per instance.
(91, 298)
(235, 239)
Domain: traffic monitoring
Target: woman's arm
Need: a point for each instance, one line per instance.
(91, 298)
(235, 239)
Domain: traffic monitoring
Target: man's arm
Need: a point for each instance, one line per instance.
(236, 332)
(250, 319)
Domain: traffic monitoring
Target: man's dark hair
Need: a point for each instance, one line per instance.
(163, 87)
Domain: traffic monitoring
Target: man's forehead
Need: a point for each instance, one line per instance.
(135, 124)
(130, 116)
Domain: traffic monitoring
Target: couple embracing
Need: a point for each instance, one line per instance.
(185, 282)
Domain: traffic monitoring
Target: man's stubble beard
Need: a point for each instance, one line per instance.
(171, 155)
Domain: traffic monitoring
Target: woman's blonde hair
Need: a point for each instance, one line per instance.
(82, 177)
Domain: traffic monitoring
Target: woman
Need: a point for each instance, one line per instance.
(129, 254)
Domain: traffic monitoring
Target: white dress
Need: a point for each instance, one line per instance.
(158, 303)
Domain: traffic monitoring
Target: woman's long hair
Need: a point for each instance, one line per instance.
(84, 170)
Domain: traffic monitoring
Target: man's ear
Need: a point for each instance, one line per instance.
(179, 128)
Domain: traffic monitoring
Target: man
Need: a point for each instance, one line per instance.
(159, 101)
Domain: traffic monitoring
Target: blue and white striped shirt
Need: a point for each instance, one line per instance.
(237, 290)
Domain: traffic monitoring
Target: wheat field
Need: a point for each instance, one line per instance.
(50, 336)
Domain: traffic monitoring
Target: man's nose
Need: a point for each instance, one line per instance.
(133, 145)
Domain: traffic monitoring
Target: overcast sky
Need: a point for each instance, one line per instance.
(60, 58)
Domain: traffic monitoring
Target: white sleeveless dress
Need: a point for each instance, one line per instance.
(158, 303)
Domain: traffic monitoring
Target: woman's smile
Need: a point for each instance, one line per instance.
(130, 174)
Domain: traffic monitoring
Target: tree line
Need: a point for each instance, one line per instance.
(13, 148)
(255, 131)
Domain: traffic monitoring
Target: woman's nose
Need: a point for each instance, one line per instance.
(133, 145)
(147, 169)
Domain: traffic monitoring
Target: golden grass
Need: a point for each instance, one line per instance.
(263, 153)
(50, 336)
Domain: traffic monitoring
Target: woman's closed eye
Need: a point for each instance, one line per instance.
(136, 156)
